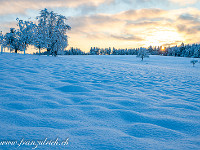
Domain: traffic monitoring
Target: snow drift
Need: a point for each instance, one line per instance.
(100, 102)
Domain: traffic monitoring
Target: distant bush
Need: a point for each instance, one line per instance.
(194, 62)
(143, 53)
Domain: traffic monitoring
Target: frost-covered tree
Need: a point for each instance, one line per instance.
(1, 41)
(41, 34)
(122, 51)
(52, 30)
(197, 52)
(74, 51)
(1, 37)
(19, 39)
(114, 51)
(60, 36)
(184, 51)
(94, 51)
(143, 53)
(9, 38)
(39, 38)
(26, 30)
(150, 49)
(12, 40)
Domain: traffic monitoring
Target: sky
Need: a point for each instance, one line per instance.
(114, 23)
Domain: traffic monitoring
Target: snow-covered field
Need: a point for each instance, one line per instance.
(100, 102)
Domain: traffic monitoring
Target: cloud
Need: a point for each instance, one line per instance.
(96, 23)
(189, 18)
(128, 37)
(189, 23)
(189, 30)
(20, 6)
(140, 14)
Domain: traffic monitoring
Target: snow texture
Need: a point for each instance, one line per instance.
(100, 102)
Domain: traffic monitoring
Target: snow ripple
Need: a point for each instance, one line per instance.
(101, 102)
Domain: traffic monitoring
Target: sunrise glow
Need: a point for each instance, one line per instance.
(108, 24)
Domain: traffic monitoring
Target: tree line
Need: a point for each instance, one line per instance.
(178, 51)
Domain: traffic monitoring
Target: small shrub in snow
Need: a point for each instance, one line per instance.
(194, 62)
(143, 53)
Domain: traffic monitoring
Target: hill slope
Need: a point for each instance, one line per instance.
(100, 102)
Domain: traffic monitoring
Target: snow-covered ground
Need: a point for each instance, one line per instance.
(100, 102)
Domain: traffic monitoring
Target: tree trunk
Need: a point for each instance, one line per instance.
(39, 51)
(15, 50)
(24, 51)
(1, 49)
(48, 51)
(55, 53)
